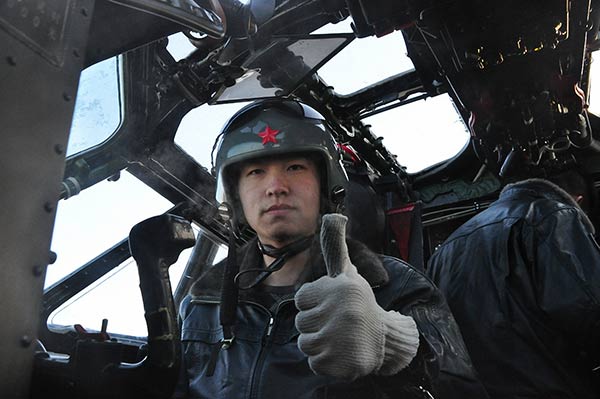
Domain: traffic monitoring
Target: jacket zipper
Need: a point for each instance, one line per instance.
(266, 342)
(270, 327)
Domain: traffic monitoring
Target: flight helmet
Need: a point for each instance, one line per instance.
(273, 128)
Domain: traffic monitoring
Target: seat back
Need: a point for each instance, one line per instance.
(366, 217)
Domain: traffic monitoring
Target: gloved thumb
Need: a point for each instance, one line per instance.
(333, 243)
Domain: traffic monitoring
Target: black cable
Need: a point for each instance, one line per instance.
(281, 255)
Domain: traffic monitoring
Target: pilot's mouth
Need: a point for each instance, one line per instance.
(277, 208)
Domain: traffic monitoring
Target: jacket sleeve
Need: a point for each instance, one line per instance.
(442, 363)
(565, 270)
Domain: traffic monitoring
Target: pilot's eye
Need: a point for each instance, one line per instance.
(254, 171)
(296, 167)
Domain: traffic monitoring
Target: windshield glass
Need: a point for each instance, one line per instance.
(98, 106)
(410, 132)
(357, 65)
(422, 133)
(594, 95)
(81, 235)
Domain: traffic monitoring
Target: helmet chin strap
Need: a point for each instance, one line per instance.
(292, 248)
(281, 255)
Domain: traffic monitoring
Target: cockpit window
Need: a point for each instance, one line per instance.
(87, 225)
(98, 218)
(422, 133)
(360, 64)
(594, 97)
(115, 297)
(179, 46)
(410, 132)
(98, 106)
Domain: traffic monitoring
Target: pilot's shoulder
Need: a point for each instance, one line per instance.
(208, 285)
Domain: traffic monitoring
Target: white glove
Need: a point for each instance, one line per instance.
(343, 331)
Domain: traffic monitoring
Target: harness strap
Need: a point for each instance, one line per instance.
(229, 290)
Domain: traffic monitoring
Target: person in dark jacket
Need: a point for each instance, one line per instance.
(299, 312)
(523, 281)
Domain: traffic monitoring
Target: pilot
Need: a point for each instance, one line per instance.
(285, 316)
(523, 281)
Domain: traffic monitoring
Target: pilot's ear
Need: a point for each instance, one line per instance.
(578, 198)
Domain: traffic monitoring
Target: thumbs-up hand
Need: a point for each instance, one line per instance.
(333, 244)
(343, 331)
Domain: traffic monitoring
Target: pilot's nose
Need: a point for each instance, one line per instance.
(277, 184)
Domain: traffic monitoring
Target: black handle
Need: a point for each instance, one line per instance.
(155, 244)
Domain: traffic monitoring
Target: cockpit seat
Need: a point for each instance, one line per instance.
(366, 216)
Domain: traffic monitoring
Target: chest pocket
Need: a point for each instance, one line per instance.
(200, 333)
(201, 337)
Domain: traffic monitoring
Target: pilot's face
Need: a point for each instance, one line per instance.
(280, 198)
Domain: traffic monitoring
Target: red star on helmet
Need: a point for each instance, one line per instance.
(268, 135)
